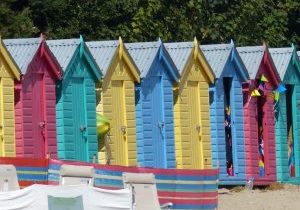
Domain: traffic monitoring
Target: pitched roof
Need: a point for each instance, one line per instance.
(63, 50)
(180, 52)
(217, 56)
(22, 51)
(16, 72)
(252, 57)
(281, 58)
(143, 54)
(103, 52)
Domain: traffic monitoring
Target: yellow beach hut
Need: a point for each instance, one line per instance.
(9, 72)
(191, 106)
(117, 100)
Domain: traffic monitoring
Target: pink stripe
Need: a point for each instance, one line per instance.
(187, 194)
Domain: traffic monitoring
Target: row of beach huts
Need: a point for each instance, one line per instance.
(169, 105)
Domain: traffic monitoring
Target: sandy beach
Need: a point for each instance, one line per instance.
(287, 198)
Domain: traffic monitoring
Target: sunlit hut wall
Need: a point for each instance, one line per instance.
(287, 114)
(117, 101)
(226, 111)
(35, 97)
(76, 100)
(191, 106)
(259, 114)
(154, 104)
(9, 72)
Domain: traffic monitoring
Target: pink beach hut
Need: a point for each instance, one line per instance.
(259, 113)
(35, 99)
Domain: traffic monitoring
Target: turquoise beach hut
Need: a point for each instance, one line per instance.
(287, 115)
(76, 100)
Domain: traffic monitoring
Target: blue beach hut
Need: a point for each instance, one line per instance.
(154, 104)
(226, 111)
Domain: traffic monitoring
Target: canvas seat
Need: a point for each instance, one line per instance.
(144, 189)
(8, 178)
(75, 175)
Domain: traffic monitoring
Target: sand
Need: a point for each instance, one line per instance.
(260, 199)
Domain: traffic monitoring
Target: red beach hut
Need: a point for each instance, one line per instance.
(35, 97)
(259, 114)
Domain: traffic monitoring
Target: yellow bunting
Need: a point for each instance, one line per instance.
(255, 93)
(261, 164)
(276, 96)
(263, 78)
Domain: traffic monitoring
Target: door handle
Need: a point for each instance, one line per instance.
(198, 128)
(82, 128)
(42, 124)
(161, 125)
(123, 129)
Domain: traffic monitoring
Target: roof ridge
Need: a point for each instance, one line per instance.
(22, 41)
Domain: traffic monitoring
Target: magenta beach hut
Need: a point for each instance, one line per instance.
(35, 97)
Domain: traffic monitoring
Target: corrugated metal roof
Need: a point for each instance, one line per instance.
(180, 52)
(22, 50)
(103, 52)
(252, 57)
(281, 58)
(143, 54)
(217, 56)
(63, 50)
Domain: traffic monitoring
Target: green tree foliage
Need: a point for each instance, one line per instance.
(248, 22)
(15, 19)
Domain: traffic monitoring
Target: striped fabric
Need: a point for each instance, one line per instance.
(186, 189)
(29, 170)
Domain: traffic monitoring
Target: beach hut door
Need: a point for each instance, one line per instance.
(79, 120)
(291, 124)
(158, 122)
(38, 118)
(1, 121)
(119, 126)
(195, 118)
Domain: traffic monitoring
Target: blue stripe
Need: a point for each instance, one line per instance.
(32, 169)
(200, 206)
(109, 182)
(54, 166)
(53, 177)
(109, 172)
(32, 177)
(201, 188)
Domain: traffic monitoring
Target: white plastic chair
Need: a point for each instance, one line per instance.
(8, 178)
(75, 175)
(144, 189)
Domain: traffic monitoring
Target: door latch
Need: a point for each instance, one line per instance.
(123, 129)
(161, 125)
(82, 128)
(198, 128)
(42, 124)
